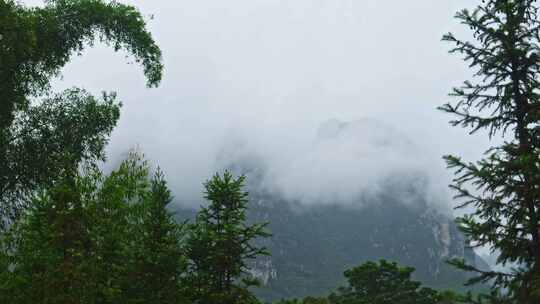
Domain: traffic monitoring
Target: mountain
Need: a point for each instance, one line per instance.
(361, 191)
(312, 245)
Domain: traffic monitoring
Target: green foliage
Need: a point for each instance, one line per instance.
(114, 199)
(35, 43)
(53, 136)
(91, 238)
(158, 252)
(503, 99)
(383, 283)
(49, 249)
(220, 243)
(307, 300)
(96, 239)
(495, 297)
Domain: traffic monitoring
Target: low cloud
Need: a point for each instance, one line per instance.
(346, 163)
(286, 86)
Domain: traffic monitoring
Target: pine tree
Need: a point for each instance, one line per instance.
(158, 260)
(110, 201)
(503, 99)
(95, 239)
(49, 250)
(221, 243)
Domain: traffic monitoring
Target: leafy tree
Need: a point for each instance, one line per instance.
(495, 297)
(306, 300)
(289, 301)
(35, 43)
(383, 283)
(502, 98)
(220, 243)
(57, 134)
(313, 300)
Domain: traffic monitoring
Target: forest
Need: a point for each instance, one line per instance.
(73, 231)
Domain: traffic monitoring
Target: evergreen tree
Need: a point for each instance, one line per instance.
(49, 251)
(503, 99)
(383, 283)
(158, 252)
(95, 239)
(111, 203)
(220, 244)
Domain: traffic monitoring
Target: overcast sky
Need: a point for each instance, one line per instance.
(258, 78)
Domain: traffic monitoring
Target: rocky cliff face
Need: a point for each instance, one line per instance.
(312, 246)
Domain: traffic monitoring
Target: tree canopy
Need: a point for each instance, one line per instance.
(95, 238)
(35, 43)
(383, 283)
(58, 134)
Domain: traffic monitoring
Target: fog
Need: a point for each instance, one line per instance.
(328, 96)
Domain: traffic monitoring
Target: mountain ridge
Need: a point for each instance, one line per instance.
(312, 245)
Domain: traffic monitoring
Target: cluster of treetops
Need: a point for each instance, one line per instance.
(69, 233)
